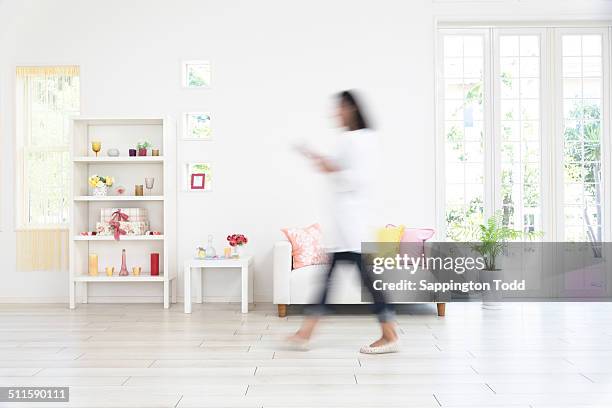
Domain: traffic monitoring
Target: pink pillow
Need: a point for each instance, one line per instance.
(417, 234)
(306, 245)
(415, 240)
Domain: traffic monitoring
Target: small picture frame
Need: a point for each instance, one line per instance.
(198, 181)
(196, 74)
(198, 177)
(197, 126)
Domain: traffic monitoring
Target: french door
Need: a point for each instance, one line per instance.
(523, 129)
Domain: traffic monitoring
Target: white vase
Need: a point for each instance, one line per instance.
(100, 191)
(238, 251)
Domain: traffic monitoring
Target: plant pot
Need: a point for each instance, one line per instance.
(100, 191)
(491, 299)
(142, 152)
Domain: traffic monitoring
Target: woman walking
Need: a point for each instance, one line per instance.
(353, 173)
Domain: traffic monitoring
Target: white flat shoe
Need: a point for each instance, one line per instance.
(298, 344)
(391, 347)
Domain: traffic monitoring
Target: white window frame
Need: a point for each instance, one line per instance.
(551, 121)
(545, 174)
(558, 143)
(22, 148)
(440, 125)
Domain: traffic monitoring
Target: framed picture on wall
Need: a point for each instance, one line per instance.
(198, 181)
(197, 126)
(198, 177)
(196, 74)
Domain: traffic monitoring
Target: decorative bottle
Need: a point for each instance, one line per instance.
(123, 271)
(210, 249)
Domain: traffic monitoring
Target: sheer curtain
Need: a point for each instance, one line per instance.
(45, 99)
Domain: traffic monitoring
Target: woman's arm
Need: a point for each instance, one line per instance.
(326, 165)
(323, 163)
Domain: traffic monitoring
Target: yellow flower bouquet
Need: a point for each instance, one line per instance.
(101, 181)
(100, 184)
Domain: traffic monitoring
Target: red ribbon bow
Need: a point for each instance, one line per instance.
(115, 221)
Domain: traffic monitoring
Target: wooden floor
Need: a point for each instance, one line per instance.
(527, 355)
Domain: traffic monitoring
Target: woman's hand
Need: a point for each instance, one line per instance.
(325, 165)
(321, 162)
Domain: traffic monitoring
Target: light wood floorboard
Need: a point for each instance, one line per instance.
(534, 355)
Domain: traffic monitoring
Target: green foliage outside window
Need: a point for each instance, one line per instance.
(582, 165)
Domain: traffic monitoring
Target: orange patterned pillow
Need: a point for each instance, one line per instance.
(306, 245)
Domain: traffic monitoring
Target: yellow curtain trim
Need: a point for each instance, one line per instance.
(42, 250)
(69, 70)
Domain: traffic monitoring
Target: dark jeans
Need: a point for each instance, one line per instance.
(383, 311)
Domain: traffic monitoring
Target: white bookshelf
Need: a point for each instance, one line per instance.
(123, 133)
(104, 278)
(126, 160)
(120, 198)
(123, 238)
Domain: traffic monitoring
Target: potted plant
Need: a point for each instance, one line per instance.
(490, 240)
(236, 241)
(142, 146)
(100, 184)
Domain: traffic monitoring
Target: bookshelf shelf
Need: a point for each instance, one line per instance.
(120, 198)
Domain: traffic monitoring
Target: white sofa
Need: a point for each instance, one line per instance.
(303, 286)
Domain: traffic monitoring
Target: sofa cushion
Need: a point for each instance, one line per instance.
(413, 241)
(389, 240)
(306, 245)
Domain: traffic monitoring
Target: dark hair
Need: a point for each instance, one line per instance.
(349, 98)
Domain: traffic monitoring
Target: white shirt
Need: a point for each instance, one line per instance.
(356, 156)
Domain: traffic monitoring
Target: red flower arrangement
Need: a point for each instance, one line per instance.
(237, 240)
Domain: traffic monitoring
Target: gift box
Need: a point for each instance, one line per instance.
(130, 228)
(134, 214)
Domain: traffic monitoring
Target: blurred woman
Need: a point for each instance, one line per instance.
(353, 172)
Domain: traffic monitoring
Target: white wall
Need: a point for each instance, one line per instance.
(275, 64)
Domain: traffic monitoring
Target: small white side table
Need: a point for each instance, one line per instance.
(243, 263)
